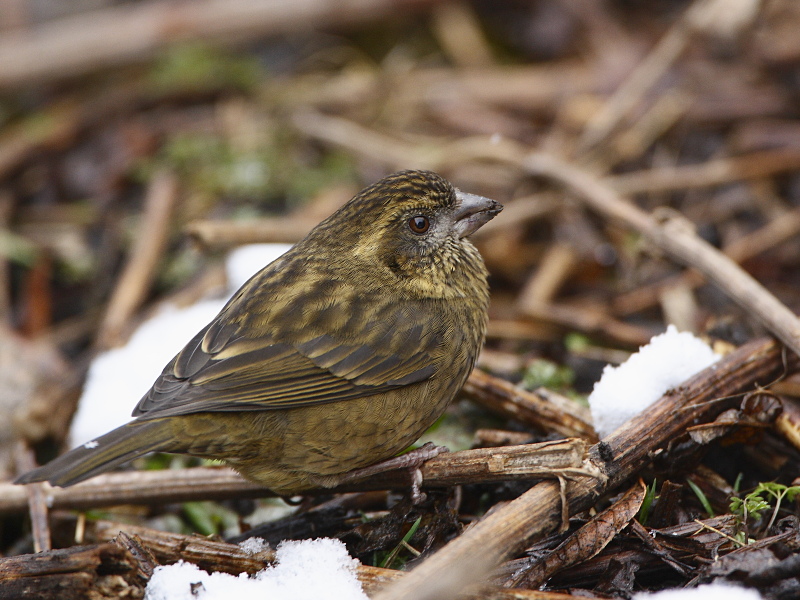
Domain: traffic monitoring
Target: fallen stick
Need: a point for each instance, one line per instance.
(722, 171)
(541, 409)
(482, 465)
(470, 557)
(128, 33)
(771, 235)
(144, 259)
(71, 574)
(212, 555)
(675, 236)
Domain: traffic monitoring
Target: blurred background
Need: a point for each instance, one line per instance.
(141, 141)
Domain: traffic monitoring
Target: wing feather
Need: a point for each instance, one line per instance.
(246, 360)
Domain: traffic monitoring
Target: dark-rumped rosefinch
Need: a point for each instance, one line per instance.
(337, 355)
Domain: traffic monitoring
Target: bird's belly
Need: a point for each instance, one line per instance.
(292, 450)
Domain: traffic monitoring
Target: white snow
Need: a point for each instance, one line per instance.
(254, 545)
(304, 570)
(667, 361)
(118, 378)
(712, 591)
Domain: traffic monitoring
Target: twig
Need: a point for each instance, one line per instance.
(507, 530)
(128, 33)
(771, 235)
(216, 234)
(459, 32)
(145, 257)
(365, 141)
(522, 329)
(227, 234)
(543, 409)
(399, 153)
(591, 321)
(676, 237)
(524, 462)
(212, 555)
(710, 173)
(6, 208)
(699, 16)
(554, 270)
(37, 505)
(208, 554)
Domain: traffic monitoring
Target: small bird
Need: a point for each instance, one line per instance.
(335, 356)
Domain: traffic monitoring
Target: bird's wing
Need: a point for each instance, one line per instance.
(233, 365)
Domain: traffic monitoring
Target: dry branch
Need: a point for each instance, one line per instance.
(767, 237)
(528, 461)
(208, 554)
(40, 528)
(701, 17)
(130, 33)
(212, 555)
(502, 533)
(543, 409)
(100, 571)
(145, 257)
(674, 235)
(716, 172)
(226, 234)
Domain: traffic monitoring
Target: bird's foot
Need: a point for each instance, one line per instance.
(411, 461)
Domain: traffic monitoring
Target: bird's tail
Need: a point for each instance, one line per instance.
(104, 453)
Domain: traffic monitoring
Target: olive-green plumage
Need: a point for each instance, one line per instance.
(335, 356)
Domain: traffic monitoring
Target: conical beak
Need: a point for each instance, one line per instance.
(472, 212)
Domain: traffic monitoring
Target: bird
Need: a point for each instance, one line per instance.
(336, 356)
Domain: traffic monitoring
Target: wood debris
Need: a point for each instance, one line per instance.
(649, 164)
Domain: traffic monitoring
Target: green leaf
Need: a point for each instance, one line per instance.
(390, 558)
(702, 497)
(647, 503)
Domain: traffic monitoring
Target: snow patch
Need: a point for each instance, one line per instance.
(666, 362)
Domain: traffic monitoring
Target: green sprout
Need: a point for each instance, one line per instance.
(701, 497)
(386, 563)
(647, 503)
(757, 501)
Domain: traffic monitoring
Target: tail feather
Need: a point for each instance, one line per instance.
(103, 454)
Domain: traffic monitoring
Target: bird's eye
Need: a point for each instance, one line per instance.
(419, 224)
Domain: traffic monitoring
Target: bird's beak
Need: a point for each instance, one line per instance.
(472, 212)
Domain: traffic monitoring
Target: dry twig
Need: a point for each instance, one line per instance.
(505, 531)
(507, 463)
(146, 255)
(675, 236)
(125, 33)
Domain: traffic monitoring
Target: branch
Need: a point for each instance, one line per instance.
(506, 531)
(129, 33)
(676, 237)
(482, 465)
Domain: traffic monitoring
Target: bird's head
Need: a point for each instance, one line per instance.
(411, 223)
